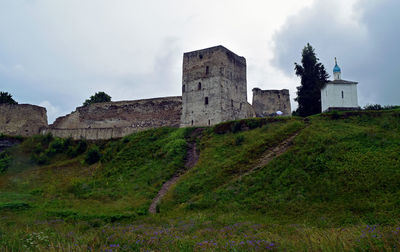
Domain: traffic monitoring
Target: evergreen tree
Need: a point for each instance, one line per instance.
(313, 78)
(6, 98)
(97, 97)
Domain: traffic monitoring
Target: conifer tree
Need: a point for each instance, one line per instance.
(313, 78)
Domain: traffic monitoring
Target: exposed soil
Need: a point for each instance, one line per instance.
(192, 157)
(190, 161)
(273, 153)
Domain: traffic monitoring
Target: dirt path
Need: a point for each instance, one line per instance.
(271, 154)
(191, 159)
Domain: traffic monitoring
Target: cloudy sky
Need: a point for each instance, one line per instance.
(57, 53)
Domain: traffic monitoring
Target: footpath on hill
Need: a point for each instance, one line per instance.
(272, 153)
(192, 156)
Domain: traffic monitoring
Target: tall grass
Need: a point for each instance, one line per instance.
(336, 188)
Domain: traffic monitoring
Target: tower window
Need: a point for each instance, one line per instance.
(192, 122)
(183, 89)
(206, 101)
(207, 69)
(199, 86)
(342, 95)
(240, 106)
(232, 103)
(209, 122)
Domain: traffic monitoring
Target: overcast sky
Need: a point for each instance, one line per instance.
(57, 53)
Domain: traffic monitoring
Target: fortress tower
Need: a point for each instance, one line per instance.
(214, 87)
(268, 102)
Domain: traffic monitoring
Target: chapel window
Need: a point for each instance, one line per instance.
(206, 101)
(342, 95)
(199, 86)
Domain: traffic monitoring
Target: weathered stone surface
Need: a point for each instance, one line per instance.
(214, 87)
(214, 90)
(118, 119)
(7, 143)
(268, 102)
(22, 119)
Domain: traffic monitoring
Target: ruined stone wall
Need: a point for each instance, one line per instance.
(214, 87)
(22, 119)
(268, 102)
(93, 133)
(117, 119)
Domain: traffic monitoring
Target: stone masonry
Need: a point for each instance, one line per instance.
(22, 119)
(117, 119)
(268, 102)
(214, 87)
(214, 90)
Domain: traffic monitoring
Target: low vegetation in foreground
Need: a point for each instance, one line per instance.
(335, 188)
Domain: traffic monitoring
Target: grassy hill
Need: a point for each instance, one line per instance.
(337, 187)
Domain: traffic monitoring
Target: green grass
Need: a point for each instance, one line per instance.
(336, 188)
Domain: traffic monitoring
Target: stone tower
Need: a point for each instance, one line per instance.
(268, 102)
(214, 87)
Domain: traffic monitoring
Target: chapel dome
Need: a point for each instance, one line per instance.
(336, 69)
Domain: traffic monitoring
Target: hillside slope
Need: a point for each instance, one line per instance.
(338, 171)
(341, 170)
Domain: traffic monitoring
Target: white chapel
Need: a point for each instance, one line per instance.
(339, 94)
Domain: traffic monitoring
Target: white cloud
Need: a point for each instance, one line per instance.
(360, 33)
(131, 49)
(52, 111)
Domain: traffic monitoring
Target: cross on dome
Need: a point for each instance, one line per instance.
(336, 71)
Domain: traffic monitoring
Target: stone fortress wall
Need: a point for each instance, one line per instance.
(268, 102)
(22, 119)
(214, 90)
(117, 119)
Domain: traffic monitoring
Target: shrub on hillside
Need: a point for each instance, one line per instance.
(46, 139)
(239, 139)
(56, 146)
(5, 161)
(40, 159)
(373, 107)
(380, 107)
(93, 155)
(236, 126)
(74, 151)
(175, 147)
